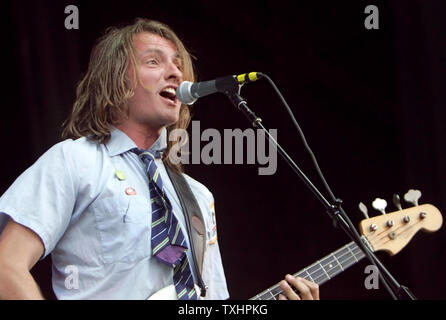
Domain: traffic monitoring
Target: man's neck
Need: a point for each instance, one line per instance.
(144, 137)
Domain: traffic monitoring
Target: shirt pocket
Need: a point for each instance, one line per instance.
(123, 228)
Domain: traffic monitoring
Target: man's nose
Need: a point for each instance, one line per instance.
(174, 72)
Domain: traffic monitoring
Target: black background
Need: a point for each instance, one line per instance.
(370, 102)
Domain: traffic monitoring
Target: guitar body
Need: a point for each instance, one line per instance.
(169, 293)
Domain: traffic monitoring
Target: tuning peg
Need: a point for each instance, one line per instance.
(363, 209)
(380, 205)
(397, 201)
(412, 196)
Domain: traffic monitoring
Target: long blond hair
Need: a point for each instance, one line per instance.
(103, 92)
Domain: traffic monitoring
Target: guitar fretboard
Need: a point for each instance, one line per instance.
(322, 270)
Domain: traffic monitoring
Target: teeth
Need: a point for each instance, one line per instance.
(170, 91)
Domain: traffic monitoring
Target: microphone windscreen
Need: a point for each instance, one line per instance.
(184, 93)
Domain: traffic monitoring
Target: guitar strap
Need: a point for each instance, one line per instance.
(193, 217)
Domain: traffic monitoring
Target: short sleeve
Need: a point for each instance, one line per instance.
(42, 198)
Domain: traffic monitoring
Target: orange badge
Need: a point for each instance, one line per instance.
(130, 191)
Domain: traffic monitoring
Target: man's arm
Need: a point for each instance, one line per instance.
(20, 249)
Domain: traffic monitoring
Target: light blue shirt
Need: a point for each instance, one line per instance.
(96, 223)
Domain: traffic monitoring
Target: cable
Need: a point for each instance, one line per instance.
(327, 187)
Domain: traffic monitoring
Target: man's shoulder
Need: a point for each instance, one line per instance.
(70, 154)
(78, 148)
(81, 144)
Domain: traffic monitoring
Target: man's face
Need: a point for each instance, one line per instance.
(158, 67)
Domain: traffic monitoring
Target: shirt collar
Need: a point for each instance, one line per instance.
(119, 142)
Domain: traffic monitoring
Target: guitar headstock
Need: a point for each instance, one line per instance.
(391, 232)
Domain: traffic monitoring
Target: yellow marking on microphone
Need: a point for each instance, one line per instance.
(253, 76)
(247, 77)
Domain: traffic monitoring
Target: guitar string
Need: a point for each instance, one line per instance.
(385, 236)
(276, 286)
(311, 276)
(339, 260)
(322, 266)
(355, 255)
(371, 237)
(372, 234)
(314, 279)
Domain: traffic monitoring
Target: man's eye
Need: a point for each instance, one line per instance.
(152, 62)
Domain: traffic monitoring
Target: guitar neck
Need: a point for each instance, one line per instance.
(322, 270)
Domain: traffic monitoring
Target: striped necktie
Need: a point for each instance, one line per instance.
(168, 241)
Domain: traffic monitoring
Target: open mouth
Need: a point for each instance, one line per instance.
(169, 93)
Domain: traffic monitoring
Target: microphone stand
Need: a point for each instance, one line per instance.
(334, 210)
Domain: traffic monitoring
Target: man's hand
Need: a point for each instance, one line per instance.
(306, 290)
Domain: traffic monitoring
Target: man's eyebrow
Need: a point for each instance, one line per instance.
(160, 52)
(152, 50)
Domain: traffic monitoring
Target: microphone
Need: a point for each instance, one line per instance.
(188, 92)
